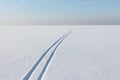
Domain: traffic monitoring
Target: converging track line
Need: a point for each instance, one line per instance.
(28, 75)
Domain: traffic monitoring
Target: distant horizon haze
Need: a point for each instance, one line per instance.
(59, 12)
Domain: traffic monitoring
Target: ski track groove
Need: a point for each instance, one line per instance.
(28, 75)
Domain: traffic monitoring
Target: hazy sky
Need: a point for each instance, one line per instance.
(59, 12)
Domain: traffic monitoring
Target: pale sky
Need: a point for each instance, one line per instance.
(59, 12)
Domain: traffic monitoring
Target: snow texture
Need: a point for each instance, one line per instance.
(89, 53)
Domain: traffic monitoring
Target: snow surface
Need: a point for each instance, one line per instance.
(89, 53)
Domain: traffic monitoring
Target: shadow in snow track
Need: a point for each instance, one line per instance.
(49, 59)
(27, 76)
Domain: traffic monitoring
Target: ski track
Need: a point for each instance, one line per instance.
(45, 53)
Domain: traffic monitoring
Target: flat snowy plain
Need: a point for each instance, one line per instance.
(89, 53)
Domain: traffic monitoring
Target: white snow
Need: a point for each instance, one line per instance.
(89, 53)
